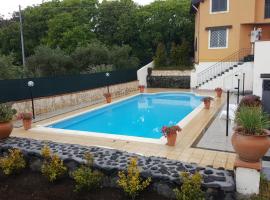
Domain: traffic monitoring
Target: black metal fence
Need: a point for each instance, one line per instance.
(17, 89)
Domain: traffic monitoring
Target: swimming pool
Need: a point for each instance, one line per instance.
(140, 116)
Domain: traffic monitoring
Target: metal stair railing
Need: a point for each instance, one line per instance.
(222, 66)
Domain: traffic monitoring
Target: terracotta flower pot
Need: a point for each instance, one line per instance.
(219, 93)
(141, 89)
(109, 99)
(207, 104)
(250, 148)
(171, 139)
(5, 129)
(27, 124)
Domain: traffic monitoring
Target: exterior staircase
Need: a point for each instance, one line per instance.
(223, 67)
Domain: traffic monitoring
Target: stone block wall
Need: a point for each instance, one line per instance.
(182, 82)
(89, 97)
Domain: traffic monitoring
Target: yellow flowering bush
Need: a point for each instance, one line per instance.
(191, 188)
(85, 178)
(131, 182)
(52, 167)
(13, 162)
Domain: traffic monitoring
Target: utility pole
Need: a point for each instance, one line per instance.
(22, 41)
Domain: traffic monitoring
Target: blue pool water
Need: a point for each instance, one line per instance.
(140, 116)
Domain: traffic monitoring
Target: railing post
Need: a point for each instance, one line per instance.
(227, 116)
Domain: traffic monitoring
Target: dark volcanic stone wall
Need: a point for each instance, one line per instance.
(182, 82)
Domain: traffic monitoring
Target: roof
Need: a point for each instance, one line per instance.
(195, 3)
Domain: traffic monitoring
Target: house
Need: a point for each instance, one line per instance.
(225, 36)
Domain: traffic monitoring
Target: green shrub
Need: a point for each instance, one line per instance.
(13, 162)
(53, 167)
(6, 112)
(191, 188)
(85, 178)
(131, 182)
(252, 120)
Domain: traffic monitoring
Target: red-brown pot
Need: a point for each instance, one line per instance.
(250, 148)
(171, 139)
(27, 124)
(5, 129)
(219, 93)
(207, 104)
(108, 99)
(141, 89)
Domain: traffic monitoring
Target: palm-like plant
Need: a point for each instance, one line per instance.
(252, 120)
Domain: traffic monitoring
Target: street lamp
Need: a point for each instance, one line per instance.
(107, 75)
(31, 84)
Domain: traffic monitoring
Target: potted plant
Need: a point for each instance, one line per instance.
(26, 119)
(250, 139)
(170, 132)
(218, 91)
(141, 87)
(250, 101)
(6, 115)
(207, 102)
(108, 97)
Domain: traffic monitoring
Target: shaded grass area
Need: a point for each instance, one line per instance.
(30, 185)
(264, 190)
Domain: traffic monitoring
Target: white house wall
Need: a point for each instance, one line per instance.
(261, 65)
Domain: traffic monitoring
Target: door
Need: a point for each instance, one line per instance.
(266, 96)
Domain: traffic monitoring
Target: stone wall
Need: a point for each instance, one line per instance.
(218, 183)
(171, 73)
(89, 97)
(182, 82)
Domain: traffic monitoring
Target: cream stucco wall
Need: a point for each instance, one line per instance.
(243, 16)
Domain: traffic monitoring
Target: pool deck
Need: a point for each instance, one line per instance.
(183, 151)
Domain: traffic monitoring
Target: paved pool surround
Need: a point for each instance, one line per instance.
(218, 183)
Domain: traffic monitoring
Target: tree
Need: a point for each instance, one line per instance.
(92, 55)
(173, 55)
(49, 62)
(160, 59)
(121, 57)
(8, 70)
(182, 57)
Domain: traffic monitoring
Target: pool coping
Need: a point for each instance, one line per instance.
(161, 140)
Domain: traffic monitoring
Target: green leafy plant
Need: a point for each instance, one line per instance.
(52, 167)
(13, 162)
(85, 178)
(191, 188)
(131, 182)
(6, 113)
(252, 121)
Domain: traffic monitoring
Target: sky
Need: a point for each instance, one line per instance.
(8, 6)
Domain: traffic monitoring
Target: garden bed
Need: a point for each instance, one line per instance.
(32, 185)
(218, 183)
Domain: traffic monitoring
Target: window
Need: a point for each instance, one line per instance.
(219, 6)
(218, 38)
(267, 9)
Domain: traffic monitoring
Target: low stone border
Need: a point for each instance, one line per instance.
(164, 172)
